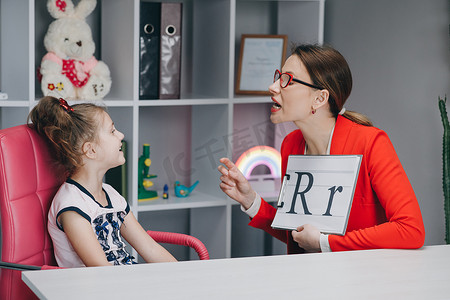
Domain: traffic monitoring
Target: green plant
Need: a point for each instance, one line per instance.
(445, 165)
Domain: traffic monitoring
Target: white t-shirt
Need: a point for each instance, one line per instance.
(105, 221)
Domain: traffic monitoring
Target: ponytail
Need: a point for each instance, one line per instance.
(66, 128)
(329, 70)
(357, 118)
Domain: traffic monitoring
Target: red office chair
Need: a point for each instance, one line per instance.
(28, 182)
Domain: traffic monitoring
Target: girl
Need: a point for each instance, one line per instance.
(311, 91)
(88, 217)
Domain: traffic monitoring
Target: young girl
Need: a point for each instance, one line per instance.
(88, 217)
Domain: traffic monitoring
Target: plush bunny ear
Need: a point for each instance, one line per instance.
(65, 8)
(84, 8)
(60, 8)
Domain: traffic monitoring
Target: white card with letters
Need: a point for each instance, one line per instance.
(317, 190)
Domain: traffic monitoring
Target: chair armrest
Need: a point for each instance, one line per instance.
(22, 267)
(47, 267)
(180, 239)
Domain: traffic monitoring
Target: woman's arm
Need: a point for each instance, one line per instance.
(404, 227)
(82, 237)
(138, 238)
(263, 220)
(236, 186)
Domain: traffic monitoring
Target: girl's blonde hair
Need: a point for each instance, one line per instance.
(329, 70)
(66, 127)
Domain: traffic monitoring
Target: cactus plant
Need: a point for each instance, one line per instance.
(445, 165)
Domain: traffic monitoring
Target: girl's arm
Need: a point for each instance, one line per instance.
(83, 239)
(144, 244)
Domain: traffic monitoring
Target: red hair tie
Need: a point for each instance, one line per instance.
(65, 105)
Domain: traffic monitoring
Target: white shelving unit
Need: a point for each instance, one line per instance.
(187, 136)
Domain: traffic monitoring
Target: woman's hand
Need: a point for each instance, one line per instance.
(234, 184)
(307, 237)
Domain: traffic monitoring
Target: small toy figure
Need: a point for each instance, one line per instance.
(69, 69)
(144, 182)
(182, 191)
(166, 192)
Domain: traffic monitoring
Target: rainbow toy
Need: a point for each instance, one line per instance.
(260, 155)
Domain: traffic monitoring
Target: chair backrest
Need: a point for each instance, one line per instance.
(28, 181)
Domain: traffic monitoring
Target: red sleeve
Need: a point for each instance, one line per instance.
(263, 220)
(404, 227)
(292, 143)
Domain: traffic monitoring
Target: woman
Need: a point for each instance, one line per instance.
(311, 91)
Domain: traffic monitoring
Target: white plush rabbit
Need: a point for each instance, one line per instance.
(69, 70)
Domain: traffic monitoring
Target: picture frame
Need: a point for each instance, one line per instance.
(260, 55)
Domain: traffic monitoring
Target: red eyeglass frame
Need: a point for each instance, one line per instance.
(291, 78)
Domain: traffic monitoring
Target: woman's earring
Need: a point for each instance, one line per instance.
(313, 111)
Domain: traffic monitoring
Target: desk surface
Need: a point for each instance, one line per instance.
(369, 274)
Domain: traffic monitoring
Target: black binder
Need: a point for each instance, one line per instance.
(117, 177)
(170, 51)
(149, 44)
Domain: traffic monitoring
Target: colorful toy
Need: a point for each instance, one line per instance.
(166, 192)
(69, 69)
(261, 155)
(144, 182)
(182, 191)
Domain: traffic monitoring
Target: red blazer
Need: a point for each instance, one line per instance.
(385, 212)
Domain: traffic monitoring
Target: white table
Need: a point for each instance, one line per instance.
(370, 274)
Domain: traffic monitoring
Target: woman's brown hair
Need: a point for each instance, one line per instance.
(329, 69)
(66, 127)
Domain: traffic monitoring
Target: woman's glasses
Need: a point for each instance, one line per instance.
(286, 78)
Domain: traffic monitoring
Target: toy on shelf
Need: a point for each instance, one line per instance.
(182, 191)
(261, 155)
(166, 192)
(69, 69)
(3, 96)
(144, 182)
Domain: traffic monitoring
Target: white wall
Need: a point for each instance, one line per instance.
(398, 51)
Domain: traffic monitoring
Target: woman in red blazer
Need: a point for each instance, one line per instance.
(311, 91)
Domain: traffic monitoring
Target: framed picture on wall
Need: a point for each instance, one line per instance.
(260, 56)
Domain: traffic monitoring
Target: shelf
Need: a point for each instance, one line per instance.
(188, 136)
(118, 103)
(195, 200)
(255, 99)
(14, 103)
(178, 102)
